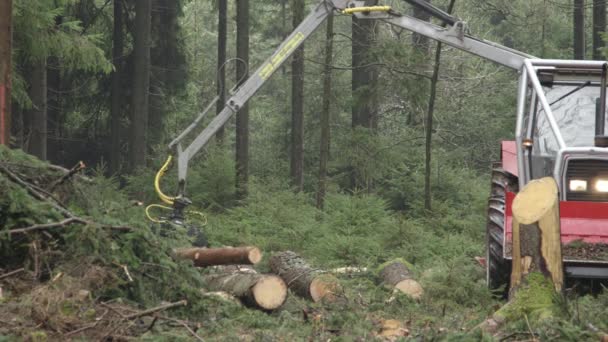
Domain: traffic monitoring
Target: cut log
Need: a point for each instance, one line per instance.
(536, 233)
(396, 275)
(302, 279)
(202, 257)
(537, 274)
(267, 292)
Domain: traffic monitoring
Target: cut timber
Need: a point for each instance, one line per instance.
(267, 292)
(537, 276)
(302, 279)
(536, 233)
(397, 275)
(202, 257)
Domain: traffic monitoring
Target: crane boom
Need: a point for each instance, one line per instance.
(454, 35)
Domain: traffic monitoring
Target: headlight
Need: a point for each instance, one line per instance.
(601, 185)
(581, 185)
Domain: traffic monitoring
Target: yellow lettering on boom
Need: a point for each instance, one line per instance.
(281, 55)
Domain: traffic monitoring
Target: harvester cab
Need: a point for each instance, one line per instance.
(560, 133)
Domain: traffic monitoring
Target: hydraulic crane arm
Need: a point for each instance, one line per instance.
(457, 37)
(250, 87)
(454, 35)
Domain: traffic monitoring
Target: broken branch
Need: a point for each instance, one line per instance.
(156, 309)
(12, 273)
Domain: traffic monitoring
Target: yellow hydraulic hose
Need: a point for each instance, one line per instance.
(159, 175)
(366, 9)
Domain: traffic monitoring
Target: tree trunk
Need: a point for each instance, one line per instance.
(37, 116)
(537, 259)
(202, 257)
(6, 37)
(222, 40)
(364, 74)
(116, 113)
(297, 105)
(396, 275)
(429, 121)
(141, 86)
(599, 27)
(579, 29)
(302, 279)
(55, 120)
(267, 292)
(364, 86)
(421, 42)
(242, 117)
(325, 113)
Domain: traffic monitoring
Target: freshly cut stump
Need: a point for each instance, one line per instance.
(203, 257)
(267, 292)
(537, 276)
(396, 275)
(536, 234)
(302, 279)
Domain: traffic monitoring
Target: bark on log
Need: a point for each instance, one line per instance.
(267, 292)
(202, 257)
(302, 279)
(396, 274)
(537, 273)
(536, 233)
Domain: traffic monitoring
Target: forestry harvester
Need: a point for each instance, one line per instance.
(561, 114)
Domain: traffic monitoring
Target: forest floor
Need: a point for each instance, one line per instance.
(106, 272)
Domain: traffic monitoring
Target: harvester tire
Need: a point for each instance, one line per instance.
(497, 267)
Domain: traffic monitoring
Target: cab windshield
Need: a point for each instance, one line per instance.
(575, 116)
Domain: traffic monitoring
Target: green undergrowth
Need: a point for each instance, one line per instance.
(357, 230)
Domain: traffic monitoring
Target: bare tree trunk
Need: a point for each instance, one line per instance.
(599, 27)
(6, 37)
(284, 32)
(420, 41)
(242, 117)
(222, 39)
(579, 29)
(55, 120)
(116, 113)
(429, 122)
(297, 105)
(37, 116)
(141, 78)
(364, 74)
(325, 113)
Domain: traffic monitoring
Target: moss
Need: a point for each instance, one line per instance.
(535, 299)
(397, 260)
(38, 336)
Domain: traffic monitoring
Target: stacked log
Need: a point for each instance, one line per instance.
(203, 257)
(267, 292)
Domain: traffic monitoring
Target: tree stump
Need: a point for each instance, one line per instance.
(267, 292)
(536, 234)
(302, 279)
(537, 274)
(202, 257)
(396, 275)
